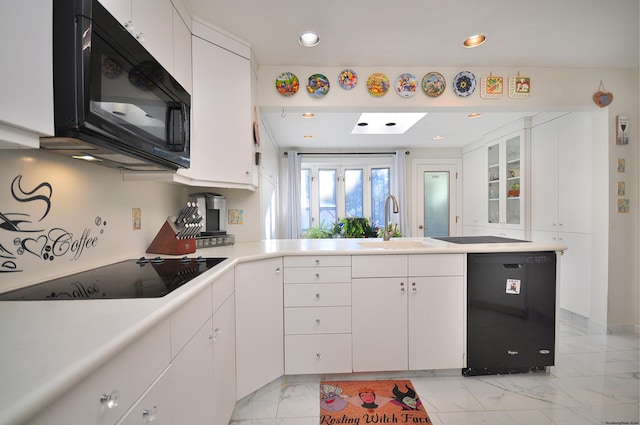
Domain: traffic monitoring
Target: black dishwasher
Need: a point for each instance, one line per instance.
(511, 312)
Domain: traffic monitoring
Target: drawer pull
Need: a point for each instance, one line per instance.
(150, 415)
(413, 287)
(318, 356)
(110, 400)
(317, 321)
(317, 275)
(278, 270)
(317, 261)
(402, 287)
(317, 296)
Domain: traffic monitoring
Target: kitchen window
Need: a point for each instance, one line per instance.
(331, 191)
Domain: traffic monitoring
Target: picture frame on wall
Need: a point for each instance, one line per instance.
(622, 130)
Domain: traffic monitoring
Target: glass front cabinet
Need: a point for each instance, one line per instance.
(505, 206)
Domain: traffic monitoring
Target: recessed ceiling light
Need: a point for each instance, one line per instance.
(474, 115)
(438, 137)
(474, 40)
(308, 115)
(86, 157)
(363, 124)
(386, 122)
(307, 137)
(309, 39)
(390, 124)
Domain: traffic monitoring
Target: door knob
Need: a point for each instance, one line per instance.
(420, 227)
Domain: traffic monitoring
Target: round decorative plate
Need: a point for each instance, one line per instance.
(406, 85)
(433, 84)
(318, 85)
(110, 68)
(287, 84)
(464, 83)
(378, 84)
(347, 79)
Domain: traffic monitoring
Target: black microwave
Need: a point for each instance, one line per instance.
(113, 102)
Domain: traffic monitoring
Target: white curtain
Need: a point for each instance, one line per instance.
(399, 189)
(292, 206)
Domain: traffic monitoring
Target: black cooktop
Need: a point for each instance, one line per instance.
(478, 239)
(142, 278)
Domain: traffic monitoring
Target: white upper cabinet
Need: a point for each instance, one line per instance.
(26, 109)
(222, 145)
(473, 192)
(151, 22)
(182, 52)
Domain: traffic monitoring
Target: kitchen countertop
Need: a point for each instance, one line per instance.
(50, 346)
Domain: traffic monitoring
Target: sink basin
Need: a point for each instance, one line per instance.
(394, 244)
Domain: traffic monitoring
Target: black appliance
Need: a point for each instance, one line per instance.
(112, 100)
(142, 278)
(511, 312)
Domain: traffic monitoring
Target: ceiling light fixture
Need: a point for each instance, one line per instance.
(308, 115)
(309, 39)
(474, 115)
(474, 40)
(438, 137)
(363, 124)
(307, 137)
(86, 157)
(390, 124)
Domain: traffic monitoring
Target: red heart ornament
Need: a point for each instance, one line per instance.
(602, 99)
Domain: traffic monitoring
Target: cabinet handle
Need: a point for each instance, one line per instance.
(110, 400)
(278, 270)
(317, 321)
(317, 275)
(317, 296)
(140, 37)
(413, 287)
(317, 261)
(150, 415)
(318, 356)
(402, 287)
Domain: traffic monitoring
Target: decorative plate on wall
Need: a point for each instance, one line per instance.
(378, 84)
(464, 84)
(491, 87)
(519, 87)
(318, 85)
(433, 84)
(406, 85)
(287, 84)
(347, 79)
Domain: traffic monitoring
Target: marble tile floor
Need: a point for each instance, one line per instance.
(596, 381)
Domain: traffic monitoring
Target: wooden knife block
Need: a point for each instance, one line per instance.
(166, 241)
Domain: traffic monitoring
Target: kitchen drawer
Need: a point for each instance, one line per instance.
(318, 261)
(388, 265)
(223, 287)
(126, 377)
(186, 321)
(317, 320)
(317, 354)
(317, 295)
(317, 274)
(436, 265)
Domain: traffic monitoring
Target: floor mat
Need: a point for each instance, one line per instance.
(370, 402)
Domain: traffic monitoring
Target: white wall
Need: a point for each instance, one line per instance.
(82, 199)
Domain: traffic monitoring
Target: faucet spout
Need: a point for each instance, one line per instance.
(386, 235)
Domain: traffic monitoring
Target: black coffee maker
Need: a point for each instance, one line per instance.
(213, 208)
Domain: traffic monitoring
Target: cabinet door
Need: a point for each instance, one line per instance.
(473, 189)
(436, 322)
(222, 144)
(153, 23)
(27, 75)
(259, 324)
(155, 406)
(544, 177)
(574, 173)
(379, 324)
(182, 52)
(224, 362)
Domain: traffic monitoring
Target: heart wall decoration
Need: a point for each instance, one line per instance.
(602, 97)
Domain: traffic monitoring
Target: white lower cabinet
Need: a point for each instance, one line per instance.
(317, 314)
(224, 363)
(259, 324)
(413, 317)
(106, 395)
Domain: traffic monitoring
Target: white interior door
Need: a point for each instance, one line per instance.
(436, 200)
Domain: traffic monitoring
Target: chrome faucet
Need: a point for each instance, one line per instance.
(386, 235)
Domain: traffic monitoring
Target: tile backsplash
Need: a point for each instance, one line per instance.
(59, 216)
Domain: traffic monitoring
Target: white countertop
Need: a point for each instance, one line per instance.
(49, 346)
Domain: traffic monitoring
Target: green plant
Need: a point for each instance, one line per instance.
(357, 227)
(393, 228)
(317, 232)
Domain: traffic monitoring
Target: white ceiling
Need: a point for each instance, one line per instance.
(538, 33)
